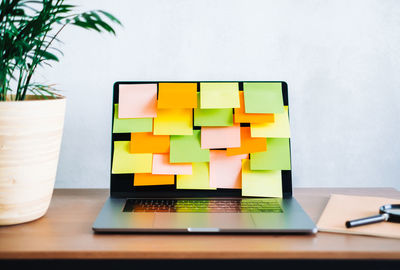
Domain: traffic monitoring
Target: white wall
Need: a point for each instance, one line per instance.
(341, 60)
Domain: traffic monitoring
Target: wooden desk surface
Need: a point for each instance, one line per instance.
(65, 233)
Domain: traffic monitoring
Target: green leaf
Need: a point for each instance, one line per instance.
(28, 29)
(85, 24)
(47, 55)
(110, 16)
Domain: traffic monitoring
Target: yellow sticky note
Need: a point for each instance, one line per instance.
(125, 162)
(278, 129)
(173, 122)
(198, 180)
(260, 183)
(219, 95)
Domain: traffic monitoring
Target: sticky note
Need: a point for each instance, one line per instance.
(277, 156)
(148, 179)
(263, 97)
(242, 117)
(177, 95)
(279, 129)
(125, 162)
(173, 122)
(226, 171)
(219, 95)
(131, 124)
(161, 165)
(212, 117)
(198, 180)
(137, 100)
(184, 149)
(260, 183)
(248, 144)
(146, 142)
(220, 137)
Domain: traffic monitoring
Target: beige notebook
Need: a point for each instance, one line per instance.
(341, 208)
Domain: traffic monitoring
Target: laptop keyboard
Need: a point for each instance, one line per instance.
(265, 205)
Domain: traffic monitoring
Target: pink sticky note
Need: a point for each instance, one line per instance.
(220, 137)
(161, 165)
(225, 171)
(137, 100)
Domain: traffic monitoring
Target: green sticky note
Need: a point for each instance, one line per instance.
(277, 156)
(260, 183)
(127, 125)
(198, 180)
(212, 117)
(219, 95)
(125, 162)
(186, 148)
(263, 97)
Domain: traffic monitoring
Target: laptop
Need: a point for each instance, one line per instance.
(201, 157)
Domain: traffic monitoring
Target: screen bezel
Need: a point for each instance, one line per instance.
(121, 185)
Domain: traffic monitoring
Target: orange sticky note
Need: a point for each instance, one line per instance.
(146, 142)
(248, 144)
(241, 117)
(148, 179)
(177, 95)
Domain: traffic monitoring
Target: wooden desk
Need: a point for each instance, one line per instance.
(65, 233)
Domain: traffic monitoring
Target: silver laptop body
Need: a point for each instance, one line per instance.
(167, 209)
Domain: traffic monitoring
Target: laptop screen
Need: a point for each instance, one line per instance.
(200, 139)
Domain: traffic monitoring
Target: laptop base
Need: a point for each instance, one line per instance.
(292, 219)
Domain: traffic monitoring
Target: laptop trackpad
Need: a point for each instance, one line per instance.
(203, 220)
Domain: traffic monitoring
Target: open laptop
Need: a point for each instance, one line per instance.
(193, 174)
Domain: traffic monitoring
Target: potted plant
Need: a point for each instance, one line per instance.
(31, 113)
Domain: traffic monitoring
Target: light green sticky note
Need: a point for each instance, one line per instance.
(260, 183)
(125, 162)
(212, 117)
(198, 180)
(277, 156)
(263, 97)
(186, 148)
(127, 125)
(219, 95)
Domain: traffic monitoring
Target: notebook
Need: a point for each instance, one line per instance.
(341, 208)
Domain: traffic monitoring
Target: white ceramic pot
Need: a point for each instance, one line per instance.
(30, 140)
